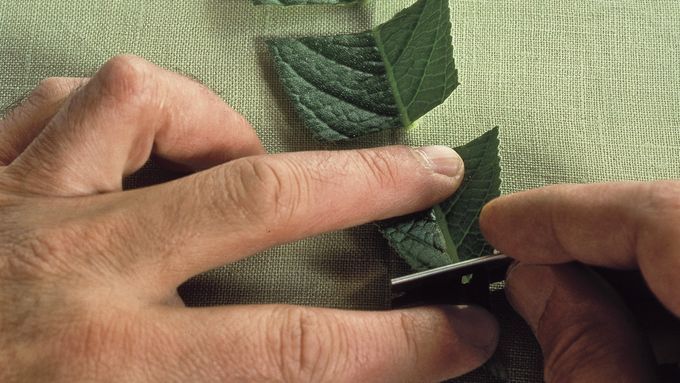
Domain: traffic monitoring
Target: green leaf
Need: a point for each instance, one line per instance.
(449, 232)
(338, 84)
(301, 2)
(351, 85)
(418, 239)
(416, 47)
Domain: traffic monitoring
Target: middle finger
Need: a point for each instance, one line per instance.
(237, 209)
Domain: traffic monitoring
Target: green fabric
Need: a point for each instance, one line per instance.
(582, 90)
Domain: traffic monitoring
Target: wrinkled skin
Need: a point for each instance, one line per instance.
(585, 332)
(88, 272)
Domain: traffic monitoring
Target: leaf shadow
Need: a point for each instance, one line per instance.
(360, 267)
(349, 269)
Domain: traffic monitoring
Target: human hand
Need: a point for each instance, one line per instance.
(585, 332)
(88, 272)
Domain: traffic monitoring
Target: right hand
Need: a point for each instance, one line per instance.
(584, 330)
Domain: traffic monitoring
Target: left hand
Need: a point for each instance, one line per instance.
(88, 272)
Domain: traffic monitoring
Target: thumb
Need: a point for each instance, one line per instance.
(585, 332)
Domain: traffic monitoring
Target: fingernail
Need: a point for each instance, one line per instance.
(528, 288)
(442, 160)
(476, 327)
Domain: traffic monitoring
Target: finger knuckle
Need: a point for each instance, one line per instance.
(381, 166)
(664, 196)
(126, 78)
(577, 346)
(267, 190)
(50, 91)
(305, 346)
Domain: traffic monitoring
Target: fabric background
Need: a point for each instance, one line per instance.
(583, 90)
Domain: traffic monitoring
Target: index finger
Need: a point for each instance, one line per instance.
(619, 225)
(128, 110)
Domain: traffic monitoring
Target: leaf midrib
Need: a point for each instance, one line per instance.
(464, 188)
(389, 67)
(429, 58)
(403, 110)
(443, 226)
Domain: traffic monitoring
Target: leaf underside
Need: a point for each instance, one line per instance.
(418, 239)
(449, 232)
(352, 85)
(337, 84)
(301, 2)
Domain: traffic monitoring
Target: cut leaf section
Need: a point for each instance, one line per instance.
(416, 47)
(301, 2)
(449, 232)
(351, 85)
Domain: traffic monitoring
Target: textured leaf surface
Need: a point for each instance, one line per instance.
(338, 84)
(416, 46)
(449, 232)
(302, 2)
(351, 85)
(418, 239)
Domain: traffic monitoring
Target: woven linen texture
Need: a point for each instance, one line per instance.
(583, 91)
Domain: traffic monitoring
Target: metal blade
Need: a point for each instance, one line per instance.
(444, 285)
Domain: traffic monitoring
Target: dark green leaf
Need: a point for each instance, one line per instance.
(351, 85)
(449, 232)
(337, 84)
(418, 239)
(416, 47)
